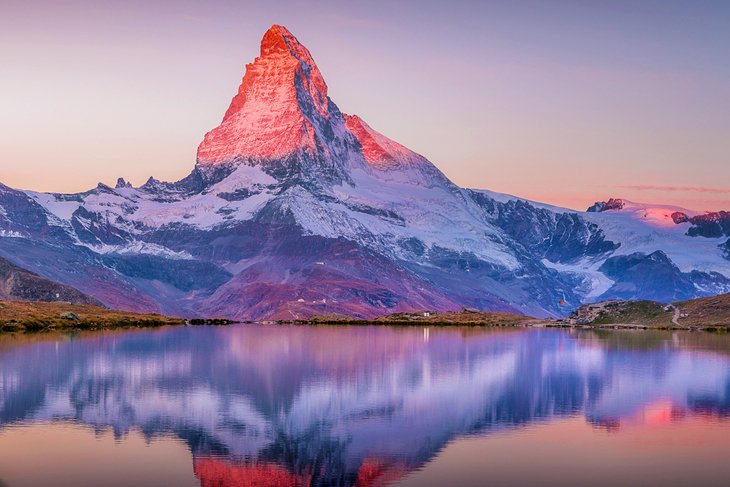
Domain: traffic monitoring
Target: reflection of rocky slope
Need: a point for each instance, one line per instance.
(336, 398)
(294, 208)
(215, 472)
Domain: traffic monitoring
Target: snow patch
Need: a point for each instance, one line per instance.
(596, 282)
(637, 233)
(140, 248)
(58, 206)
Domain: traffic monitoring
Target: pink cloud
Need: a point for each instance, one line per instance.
(696, 189)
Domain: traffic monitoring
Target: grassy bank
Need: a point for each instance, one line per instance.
(39, 316)
(708, 314)
(464, 317)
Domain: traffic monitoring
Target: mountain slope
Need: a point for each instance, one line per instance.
(709, 313)
(294, 208)
(17, 284)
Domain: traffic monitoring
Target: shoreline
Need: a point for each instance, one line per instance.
(28, 317)
(38, 317)
(475, 324)
(149, 322)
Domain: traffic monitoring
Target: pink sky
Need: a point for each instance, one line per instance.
(567, 104)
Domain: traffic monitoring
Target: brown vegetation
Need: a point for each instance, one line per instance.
(465, 317)
(709, 314)
(36, 316)
(712, 312)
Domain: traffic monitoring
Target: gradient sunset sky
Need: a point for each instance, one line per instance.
(566, 102)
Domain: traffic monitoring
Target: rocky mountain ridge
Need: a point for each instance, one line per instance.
(294, 208)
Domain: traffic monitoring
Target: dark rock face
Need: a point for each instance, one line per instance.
(122, 183)
(483, 285)
(611, 204)
(679, 217)
(19, 284)
(85, 271)
(557, 237)
(94, 228)
(23, 216)
(710, 283)
(654, 276)
(183, 274)
(639, 274)
(710, 225)
(293, 283)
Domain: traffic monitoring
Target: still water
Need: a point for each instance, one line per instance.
(364, 406)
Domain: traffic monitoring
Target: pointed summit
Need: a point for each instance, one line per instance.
(279, 40)
(279, 108)
(282, 121)
(122, 183)
(273, 40)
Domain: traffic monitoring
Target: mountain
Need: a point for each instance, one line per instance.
(294, 208)
(17, 284)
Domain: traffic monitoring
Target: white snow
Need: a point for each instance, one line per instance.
(61, 208)
(126, 206)
(596, 282)
(143, 248)
(435, 213)
(647, 229)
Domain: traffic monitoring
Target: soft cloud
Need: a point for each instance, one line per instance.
(696, 189)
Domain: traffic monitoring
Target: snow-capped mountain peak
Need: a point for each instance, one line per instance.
(281, 108)
(295, 208)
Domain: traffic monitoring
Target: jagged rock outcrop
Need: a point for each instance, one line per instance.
(714, 224)
(611, 204)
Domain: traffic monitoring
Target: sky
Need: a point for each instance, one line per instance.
(564, 102)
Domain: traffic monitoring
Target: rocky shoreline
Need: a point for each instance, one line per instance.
(710, 314)
(23, 316)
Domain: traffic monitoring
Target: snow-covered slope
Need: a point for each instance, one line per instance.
(647, 228)
(295, 208)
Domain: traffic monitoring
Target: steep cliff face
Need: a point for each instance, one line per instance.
(295, 208)
(281, 119)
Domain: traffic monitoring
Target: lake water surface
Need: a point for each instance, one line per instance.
(364, 406)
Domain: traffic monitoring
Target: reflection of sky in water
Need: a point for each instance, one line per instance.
(339, 397)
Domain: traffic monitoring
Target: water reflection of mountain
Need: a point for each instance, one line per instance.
(331, 404)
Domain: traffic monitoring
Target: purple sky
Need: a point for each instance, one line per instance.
(566, 102)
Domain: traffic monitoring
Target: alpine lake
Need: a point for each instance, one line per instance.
(285, 405)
